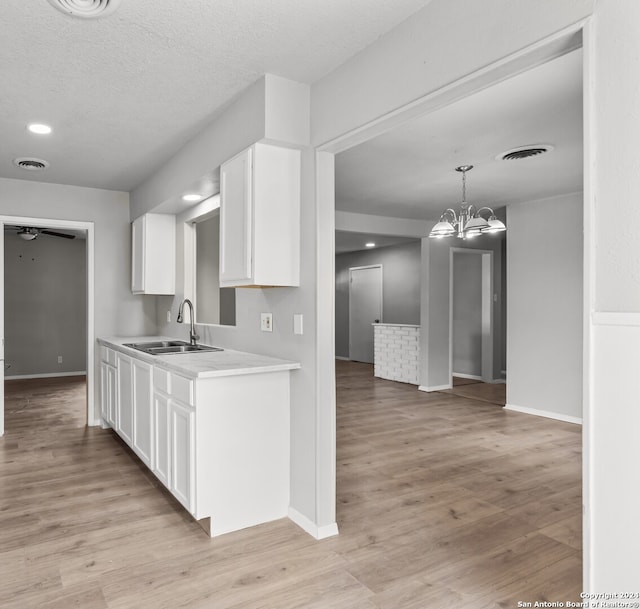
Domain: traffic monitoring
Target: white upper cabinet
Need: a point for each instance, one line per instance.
(153, 254)
(260, 218)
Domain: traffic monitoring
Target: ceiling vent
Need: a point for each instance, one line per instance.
(524, 152)
(31, 164)
(86, 9)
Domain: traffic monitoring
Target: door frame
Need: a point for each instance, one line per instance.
(92, 419)
(543, 50)
(487, 310)
(360, 268)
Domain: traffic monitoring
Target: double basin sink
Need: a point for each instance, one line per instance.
(166, 347)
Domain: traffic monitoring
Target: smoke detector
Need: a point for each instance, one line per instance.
(524, 152)
(30, 163)
(86, 9)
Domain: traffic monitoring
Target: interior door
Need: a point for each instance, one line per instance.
(365, 309)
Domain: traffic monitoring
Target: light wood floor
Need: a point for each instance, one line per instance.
(443, 502)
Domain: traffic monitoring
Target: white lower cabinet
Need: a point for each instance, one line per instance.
(124, 400)
(108, 393)
(220, 444)
(181, 480)
(175, 435)
(126, 393)
(142, 410)
(161, 437)
(108, 386)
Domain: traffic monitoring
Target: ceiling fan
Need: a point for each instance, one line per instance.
(28, 233)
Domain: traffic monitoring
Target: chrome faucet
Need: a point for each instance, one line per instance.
(193, 337)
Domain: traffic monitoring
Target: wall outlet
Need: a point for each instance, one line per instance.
(59, 359)
(169, 316)
(297, 323)
(266, 322)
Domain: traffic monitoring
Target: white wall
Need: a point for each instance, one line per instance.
(117, 311)
(613, 288)
(445, 41)
(544, 307)
(45, 298)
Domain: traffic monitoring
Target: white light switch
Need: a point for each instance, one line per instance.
(266, 322)
(297, 323)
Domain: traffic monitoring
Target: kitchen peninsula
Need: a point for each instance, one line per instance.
(212, 426)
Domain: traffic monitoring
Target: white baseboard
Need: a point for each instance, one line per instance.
(344, 359)
(435, 388)
(545, 413)
(327, 530)
(473, 377)
(498, 381)
(46, 375)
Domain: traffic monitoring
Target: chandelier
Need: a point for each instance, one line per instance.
(468, 222)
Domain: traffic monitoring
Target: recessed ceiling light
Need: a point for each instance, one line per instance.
(191, 197)
(39, 128)
(370, 244)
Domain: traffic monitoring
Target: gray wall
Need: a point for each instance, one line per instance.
(214, 305)
(45, 305)
(401, 287)
(466, 331)
(544, 273)
(207, 271)
(117, 310)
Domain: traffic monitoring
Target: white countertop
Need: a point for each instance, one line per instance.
(201, 365)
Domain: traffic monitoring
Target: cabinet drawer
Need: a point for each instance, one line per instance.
(175, 385)
(182, 389)
(108, 355)
(161, 380)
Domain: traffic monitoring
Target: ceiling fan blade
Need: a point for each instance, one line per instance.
(56, 234)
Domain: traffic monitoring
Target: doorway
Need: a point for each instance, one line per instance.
(471, 314)
(56, 225)
(365, 309)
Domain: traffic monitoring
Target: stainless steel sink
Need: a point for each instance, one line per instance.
(166, 347)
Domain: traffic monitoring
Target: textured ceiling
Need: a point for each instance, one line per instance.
(408, 172)
(125, 92)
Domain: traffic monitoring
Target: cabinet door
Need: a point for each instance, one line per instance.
(182, 475)
(236, 218)
(105, 398)
(161, 437)
(125, 399)
(113, 396)
(137, 255)
(108, 393)
(142, 410)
